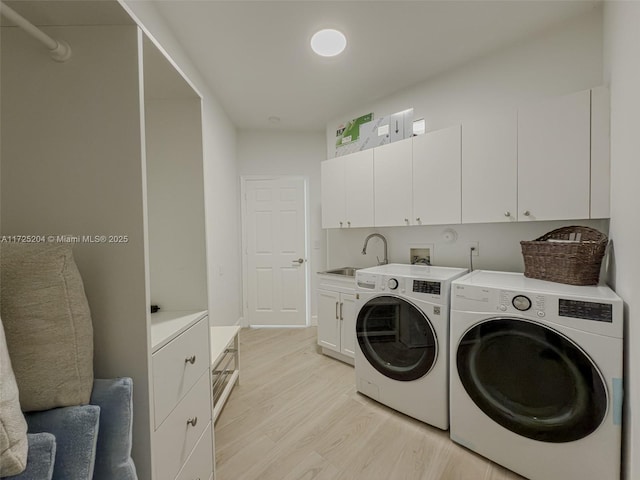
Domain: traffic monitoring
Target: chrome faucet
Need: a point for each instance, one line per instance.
(384, 241)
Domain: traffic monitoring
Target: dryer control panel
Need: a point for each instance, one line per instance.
(599, 312)
(488, 294)
(533, 304)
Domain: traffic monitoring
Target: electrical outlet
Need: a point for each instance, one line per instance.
(475, 246)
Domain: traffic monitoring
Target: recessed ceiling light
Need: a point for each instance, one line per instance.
(328, 42)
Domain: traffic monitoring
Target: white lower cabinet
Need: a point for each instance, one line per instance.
(177, 367)
(348, 327)
(200, 462)
(337, 317)
(183, 436)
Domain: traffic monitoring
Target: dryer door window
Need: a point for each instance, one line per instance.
(531, 380)
(396, 337)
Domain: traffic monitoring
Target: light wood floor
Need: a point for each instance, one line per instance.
(296, 415)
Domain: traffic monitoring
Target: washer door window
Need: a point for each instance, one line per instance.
(396, 337)
(531, 380)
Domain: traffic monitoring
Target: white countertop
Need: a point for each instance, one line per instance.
(166, 325)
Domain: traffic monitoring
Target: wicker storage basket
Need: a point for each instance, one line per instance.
(575, 263)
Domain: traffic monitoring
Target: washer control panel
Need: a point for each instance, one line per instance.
(426, 286)
(400, 285)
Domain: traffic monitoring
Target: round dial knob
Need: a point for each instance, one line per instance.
(393, 283)
(522, 303)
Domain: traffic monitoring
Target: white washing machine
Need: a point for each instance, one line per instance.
(536, 375)
(402, 331)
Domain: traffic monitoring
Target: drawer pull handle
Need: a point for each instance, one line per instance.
(192, 421)
(191, 359)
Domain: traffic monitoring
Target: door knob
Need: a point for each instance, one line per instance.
(300, 261)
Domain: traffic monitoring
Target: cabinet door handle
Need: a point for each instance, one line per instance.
(336, 310)
(418, 219)
(406, 220)
(341, 311)
(526, 213)
(191, 359)
(192, 421)
(340, 224)
(507, 213)
(349, 224)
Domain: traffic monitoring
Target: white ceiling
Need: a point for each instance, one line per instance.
(255, 54)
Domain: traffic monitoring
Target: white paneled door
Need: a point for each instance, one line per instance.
(275, 250)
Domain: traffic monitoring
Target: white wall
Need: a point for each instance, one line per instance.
(221, 184)
(499, 244)
(562, 59)
(290, 153)
(175, 204)
(622, 69)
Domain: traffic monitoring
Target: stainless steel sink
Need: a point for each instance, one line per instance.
(345, 271)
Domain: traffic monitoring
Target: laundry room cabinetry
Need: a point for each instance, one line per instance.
(182, 403)
(548, 161)
(436, 177)
(393, 171)
(112, 149)
(554, 158)
(490, 168)
(347, 190)
(337, 316)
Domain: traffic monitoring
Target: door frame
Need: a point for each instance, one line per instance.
(244, 179)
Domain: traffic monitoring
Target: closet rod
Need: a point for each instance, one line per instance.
(59, 49)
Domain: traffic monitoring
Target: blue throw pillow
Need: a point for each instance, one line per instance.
(76, 432)
(113, 456)
(40, 459)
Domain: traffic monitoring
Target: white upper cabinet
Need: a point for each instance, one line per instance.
(333, 195)
(436, 177)
(358, 170)
(546, 161)
(490, 168)
(554, 158)
(393, 180)
(347, 190)
(600, 162)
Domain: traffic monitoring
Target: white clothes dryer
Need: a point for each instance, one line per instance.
(536, 375)
(402, 331)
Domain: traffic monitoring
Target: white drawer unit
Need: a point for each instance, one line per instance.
(179, 434)
(177, 366)
(200, 462)
(183, 439)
